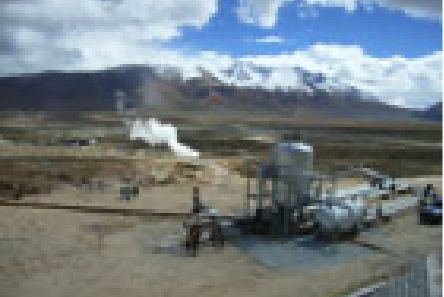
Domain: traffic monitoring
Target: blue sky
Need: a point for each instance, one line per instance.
(380, 32)
(388, 49)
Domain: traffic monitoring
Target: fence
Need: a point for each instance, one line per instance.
(423, 279)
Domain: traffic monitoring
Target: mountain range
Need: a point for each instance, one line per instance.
(241, 86)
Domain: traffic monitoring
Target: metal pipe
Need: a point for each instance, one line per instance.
(261, 187)
(285, 210)
(196, 200)
(248, 198)
(96, 209)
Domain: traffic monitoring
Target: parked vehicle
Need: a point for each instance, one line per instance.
(430, 207)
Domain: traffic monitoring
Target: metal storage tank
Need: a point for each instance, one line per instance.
(294, 164)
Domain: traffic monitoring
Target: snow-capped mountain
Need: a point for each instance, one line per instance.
(248, 74)
(239, 85)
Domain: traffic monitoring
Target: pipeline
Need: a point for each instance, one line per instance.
(134, 212)
(137, 212)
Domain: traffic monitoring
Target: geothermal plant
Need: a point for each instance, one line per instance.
(289, 198)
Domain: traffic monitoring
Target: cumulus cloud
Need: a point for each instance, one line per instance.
(416, 8)
(260, 12)
(348, 5)
(270, 39)
(264, 13)
(58, 32)
(394, 80)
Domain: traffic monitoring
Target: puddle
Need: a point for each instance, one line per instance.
(301, 252)
(298, 252)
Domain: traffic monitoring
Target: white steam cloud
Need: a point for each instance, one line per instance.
(154, 132)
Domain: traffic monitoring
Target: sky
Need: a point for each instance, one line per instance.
(389, 49)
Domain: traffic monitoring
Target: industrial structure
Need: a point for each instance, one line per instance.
(292, 199)
(283, 190)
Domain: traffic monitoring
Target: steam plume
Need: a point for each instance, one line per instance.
(154, 132)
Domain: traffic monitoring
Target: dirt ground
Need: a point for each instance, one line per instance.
(60, 253)
(227, 195)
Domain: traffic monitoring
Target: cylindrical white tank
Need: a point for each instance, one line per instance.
(294, 163)
(340, 217)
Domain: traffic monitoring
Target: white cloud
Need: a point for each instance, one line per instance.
(54, 33)
(264, 13)
(394, 80)
(348, 5)
(270, 39)
(416, 8)
(260, 12)
(431, 9)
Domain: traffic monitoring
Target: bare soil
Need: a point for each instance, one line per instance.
(59, 253)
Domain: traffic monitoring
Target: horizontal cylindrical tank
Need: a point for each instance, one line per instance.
(340, 217)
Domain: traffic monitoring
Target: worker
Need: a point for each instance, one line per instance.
(428, 191)
(193, 235)
(216, 235)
